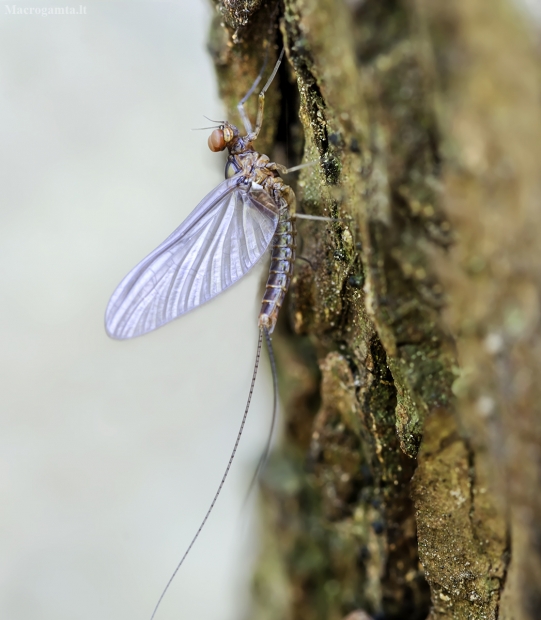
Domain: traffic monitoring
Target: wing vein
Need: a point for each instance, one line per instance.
(219, 242)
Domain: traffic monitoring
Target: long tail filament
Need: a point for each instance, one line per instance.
(234, 451)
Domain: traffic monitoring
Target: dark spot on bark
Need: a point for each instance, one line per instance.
(378, 527)
(356, 281)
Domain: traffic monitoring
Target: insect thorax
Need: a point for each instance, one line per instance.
(254, 166)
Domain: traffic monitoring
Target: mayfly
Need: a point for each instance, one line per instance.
(218, 243)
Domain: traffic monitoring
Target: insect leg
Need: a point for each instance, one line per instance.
(317, 218)
(301, 166)
(261, 106)
(240, 105)
(306, 261)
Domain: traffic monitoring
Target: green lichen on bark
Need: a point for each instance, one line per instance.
(381, 498)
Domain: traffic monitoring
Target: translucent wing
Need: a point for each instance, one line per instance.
(219, 242)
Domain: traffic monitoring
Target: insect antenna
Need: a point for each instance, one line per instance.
(265, 454)
(230, 462)
(213, 121)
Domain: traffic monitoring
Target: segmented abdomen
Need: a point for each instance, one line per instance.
(281, 270)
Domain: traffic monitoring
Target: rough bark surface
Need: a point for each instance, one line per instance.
(408, 482)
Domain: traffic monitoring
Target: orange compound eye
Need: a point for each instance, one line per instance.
(216, 141)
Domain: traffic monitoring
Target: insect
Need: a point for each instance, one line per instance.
(217, 244)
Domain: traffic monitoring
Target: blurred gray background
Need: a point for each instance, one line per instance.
(110, 452)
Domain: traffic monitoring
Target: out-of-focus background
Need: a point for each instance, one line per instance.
(110, 452)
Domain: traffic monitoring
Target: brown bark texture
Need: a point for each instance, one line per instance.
(408, 482)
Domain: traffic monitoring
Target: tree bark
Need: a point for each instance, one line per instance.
(408, 482)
